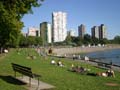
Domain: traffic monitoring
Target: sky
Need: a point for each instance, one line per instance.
(88, 12)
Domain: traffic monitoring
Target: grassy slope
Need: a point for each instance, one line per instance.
(57, 76)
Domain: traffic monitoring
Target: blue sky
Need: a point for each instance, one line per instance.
(87, 12)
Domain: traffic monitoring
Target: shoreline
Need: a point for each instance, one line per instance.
(77, 50)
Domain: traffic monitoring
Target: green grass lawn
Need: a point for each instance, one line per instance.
(60, 77)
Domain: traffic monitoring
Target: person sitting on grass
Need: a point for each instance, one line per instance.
(104, 74)
(59, 63)
(73, 68)
(53, 62)
(78, 69)
(109, 73)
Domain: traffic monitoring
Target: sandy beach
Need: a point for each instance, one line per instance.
(73, 50)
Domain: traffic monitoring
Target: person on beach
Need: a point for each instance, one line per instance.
(79, 57)
(86, 58)
(74, 56)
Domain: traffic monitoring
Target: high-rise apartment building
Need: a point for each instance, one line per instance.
(33, 31)
(99, 31)
(95, 32)
(45, 32)
(102, 31)
(59, 29)
(81, 31)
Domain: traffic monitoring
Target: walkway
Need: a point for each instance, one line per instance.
(34, 84)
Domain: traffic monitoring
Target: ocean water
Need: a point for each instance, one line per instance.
(106, 56)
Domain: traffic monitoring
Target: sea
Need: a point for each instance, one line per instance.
(107, 56)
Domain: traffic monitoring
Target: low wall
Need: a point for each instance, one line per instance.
(73, 50)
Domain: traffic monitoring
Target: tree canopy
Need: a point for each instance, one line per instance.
(11, 13)
(117, 39)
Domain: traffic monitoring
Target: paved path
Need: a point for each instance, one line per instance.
(34, 84)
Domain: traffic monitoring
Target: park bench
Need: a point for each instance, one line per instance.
(25, 71)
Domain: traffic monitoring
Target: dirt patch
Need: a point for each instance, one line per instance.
(111, 84)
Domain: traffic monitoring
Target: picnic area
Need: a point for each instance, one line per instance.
(59, 77)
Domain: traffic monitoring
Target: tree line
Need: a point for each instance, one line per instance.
(70, 40)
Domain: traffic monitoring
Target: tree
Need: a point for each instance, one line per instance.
(95, 41)
(117, 39)
(29, 41)
(76, 41)
(87, 39)
(103, 41)
(68, 40)
(11, 13)
(38, 41)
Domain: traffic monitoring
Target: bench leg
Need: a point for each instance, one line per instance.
(30, 81)
(15, 74)
(38, 82)
(22, 76)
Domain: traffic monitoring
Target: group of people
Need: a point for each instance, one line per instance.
(82, 70)
(86, 58)
(108, 73)
(58, 63)
(78, 69)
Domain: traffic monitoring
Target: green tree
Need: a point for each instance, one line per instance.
(103, 41)
(76, 41)
(87, 39)
(95, 41)
(38, 41)
(31, 40)
(23, 41)
(116, 39)
(11, 13)
(68, 40)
